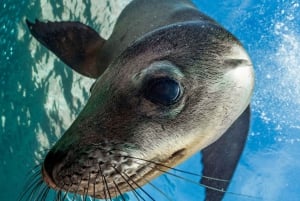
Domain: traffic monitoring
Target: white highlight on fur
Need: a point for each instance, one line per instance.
(158, 68)
(242, 75)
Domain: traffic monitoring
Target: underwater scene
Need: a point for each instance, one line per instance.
(41, 97)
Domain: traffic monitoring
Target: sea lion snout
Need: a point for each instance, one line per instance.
(86, 174)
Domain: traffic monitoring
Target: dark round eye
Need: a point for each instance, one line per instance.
(163, 91)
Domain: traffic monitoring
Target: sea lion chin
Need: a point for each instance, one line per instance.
(162, 93)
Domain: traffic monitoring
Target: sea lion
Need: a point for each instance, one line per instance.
(170, 81)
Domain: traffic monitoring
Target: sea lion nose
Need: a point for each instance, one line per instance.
(52, 159)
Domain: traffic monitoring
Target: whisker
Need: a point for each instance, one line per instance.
(176, 169)
(105, 188)
(35, 167)
(139, 187)
(35, 188)
(58, 196)
(35, 173)
(32, 180)
(43, 193)
(66, 193)
(85, 194)
(156, 188)
(94, 188)
(27, 189)
(189, 180)
(208, 187)
(74, 196)
(122, 196)
(75, 193)
(115, 191)
(24, 193)
(169, 167)
(137, 195)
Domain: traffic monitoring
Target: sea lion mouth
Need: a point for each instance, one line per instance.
(105, 179)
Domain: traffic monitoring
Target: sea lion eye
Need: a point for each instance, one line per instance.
(163, 91)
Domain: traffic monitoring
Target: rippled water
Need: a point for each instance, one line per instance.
(40, 97)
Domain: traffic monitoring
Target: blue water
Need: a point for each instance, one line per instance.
(40, 97)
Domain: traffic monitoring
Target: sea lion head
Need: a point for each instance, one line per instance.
(172, 92)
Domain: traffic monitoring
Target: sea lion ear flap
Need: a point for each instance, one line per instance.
(76, 44)
(221, 158)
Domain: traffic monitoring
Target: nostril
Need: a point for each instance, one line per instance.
(51, 161)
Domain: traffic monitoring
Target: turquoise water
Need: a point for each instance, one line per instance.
(40, 97)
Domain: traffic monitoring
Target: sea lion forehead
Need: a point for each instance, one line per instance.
(184, 44)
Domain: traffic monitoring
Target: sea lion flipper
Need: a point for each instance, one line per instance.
(220, 158)
(74, 43)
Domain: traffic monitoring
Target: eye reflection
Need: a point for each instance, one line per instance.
(164, 91)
